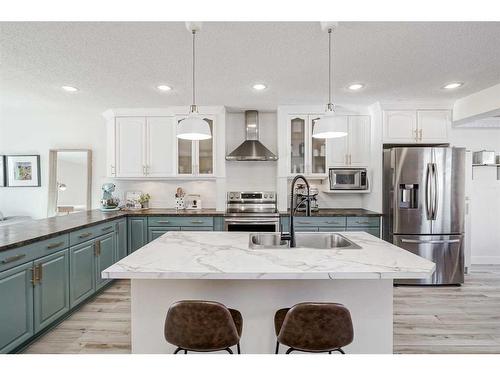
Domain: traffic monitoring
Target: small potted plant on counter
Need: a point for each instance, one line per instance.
(144, 200)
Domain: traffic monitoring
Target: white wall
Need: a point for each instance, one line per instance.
(34, 126)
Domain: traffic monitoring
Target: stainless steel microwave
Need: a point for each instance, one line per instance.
(348, 179)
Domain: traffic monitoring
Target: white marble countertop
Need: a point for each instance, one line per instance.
(226, 255)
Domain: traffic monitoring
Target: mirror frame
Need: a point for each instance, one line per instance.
(51, 207)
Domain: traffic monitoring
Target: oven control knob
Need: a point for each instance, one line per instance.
(265, 196)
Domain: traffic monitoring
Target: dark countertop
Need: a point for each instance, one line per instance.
(25, 233)
(337, 212)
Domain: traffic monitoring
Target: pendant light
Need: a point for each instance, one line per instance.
(328, 125)
(193, 127)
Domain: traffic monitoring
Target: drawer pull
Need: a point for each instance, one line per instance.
(13, 258)
(196, 222)
(54, 245)
(85, 235)
(163, 222)
(362, 222)
(107, 228)
(332, 222)
(304, 222)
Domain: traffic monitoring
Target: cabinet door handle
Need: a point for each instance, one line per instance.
(13, 258)
(97, 248)
(331, 222)
(416, 135)
(163, 221)
(362, 222)
(113, 172)
(304, 222)
(39, 273)
(196, 222)
(54, 245)
(107, 228)
(85, 235)
(420, 131)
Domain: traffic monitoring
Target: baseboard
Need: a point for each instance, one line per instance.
(485, 260)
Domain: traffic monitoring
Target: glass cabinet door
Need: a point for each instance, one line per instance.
(184, 156)
(206, 152)
(318, 152)
(297, 144)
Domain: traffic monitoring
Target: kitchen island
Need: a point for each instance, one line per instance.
(221, 266)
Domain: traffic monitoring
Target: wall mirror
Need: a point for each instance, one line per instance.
(70, 181)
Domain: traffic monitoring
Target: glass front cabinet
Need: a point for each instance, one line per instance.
(307, 154)
(196, 158)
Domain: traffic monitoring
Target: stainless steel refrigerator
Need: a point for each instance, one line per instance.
(424, 207)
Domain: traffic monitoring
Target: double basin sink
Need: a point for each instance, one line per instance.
(313, 240)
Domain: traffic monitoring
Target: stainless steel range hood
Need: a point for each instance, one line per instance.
(251, 149)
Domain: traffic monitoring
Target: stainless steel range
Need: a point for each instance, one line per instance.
(251, 211)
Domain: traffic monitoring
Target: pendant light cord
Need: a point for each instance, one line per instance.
(330, 104)
(194, 87)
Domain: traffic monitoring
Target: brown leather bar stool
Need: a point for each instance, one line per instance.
(203, 326)
(314, 327)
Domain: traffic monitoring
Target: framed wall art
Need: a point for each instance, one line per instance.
(22, 170)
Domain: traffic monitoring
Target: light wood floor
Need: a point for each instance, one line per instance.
(426, 320)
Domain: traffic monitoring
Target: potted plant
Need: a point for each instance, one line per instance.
(144, 200)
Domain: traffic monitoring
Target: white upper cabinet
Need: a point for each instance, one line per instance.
(400, 126)
(196, 158)
(416, 126)
(433, 125)
(130, 147)
(307, 155)
(338, 147)
(142, 144)
(160, 136)
(359, 140)
(354, 149)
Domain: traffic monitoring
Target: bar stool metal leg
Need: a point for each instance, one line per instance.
(238, 347)
(277, 347)
(177, 350)
(229, 350)
(290, 350)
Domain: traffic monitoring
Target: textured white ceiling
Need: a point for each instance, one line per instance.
(120, 64)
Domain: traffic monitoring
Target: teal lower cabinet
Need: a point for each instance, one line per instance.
(104, 257)
(51, 290)
(82, 271)
(121, 239)
(155, 232)
(16, 308)
(369, 224)
(137, 233)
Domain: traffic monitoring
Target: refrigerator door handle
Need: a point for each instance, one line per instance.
(403, 240)
(428, 192)
(434, 191)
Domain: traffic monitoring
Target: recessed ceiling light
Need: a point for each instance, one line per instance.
(259, 86)
(355, 86)
(69, 88)
(453, 85)
(164, 88)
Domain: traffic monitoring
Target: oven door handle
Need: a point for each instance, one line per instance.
(252, 220)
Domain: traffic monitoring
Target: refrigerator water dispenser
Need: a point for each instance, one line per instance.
(408, 196)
